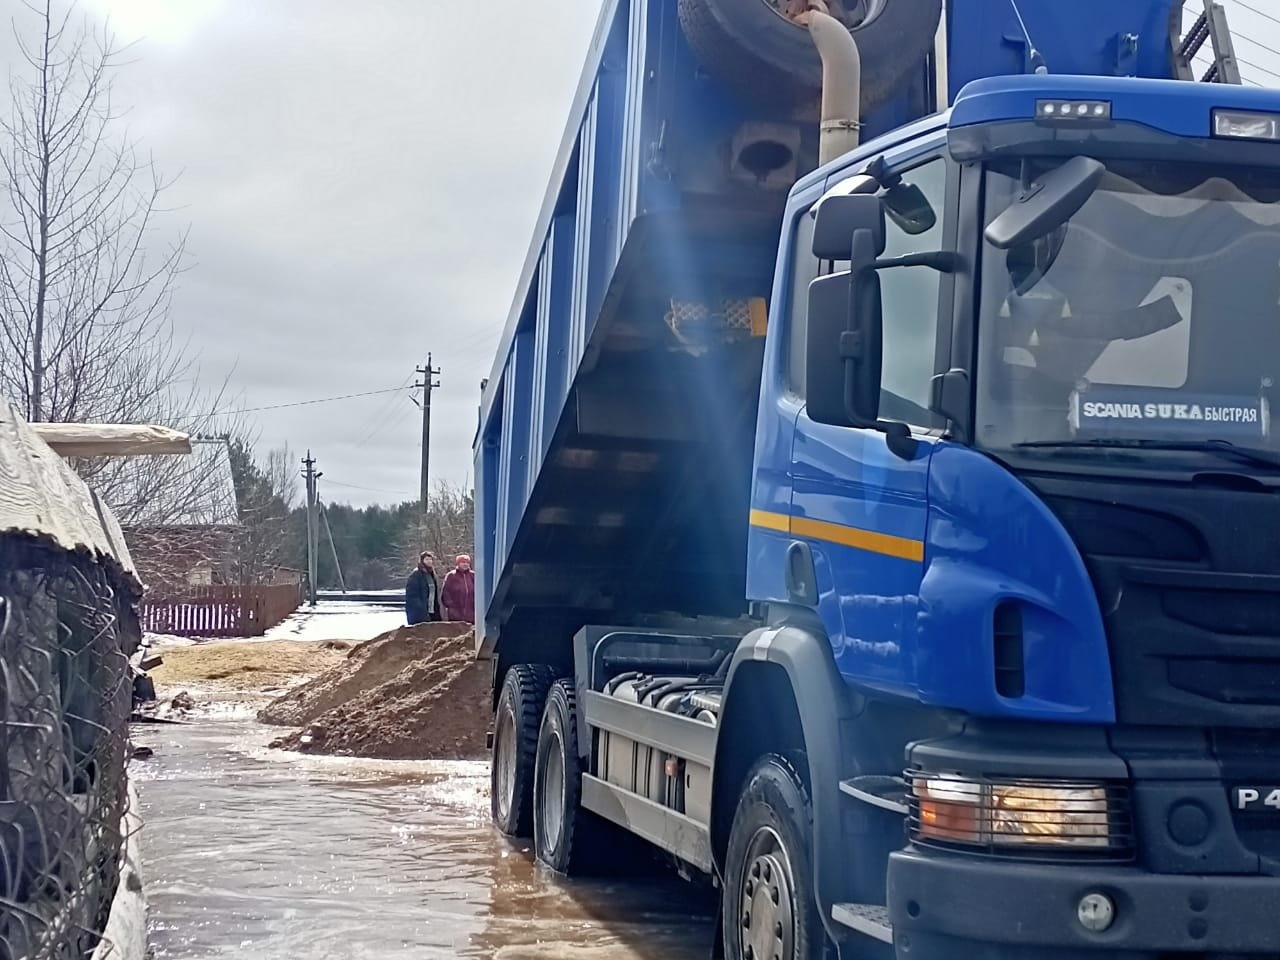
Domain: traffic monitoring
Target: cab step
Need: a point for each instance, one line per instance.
(887, 793)
(868, 919)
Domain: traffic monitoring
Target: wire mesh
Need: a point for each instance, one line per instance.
(67, 629)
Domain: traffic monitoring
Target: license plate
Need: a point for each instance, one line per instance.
(1256, 799)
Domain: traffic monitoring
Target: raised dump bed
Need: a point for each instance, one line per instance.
(617, 430)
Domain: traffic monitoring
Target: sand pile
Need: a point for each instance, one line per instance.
(413, 693)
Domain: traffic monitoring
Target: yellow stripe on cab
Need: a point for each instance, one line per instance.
(902, 548)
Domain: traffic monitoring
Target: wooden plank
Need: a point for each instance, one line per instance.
(111, 439)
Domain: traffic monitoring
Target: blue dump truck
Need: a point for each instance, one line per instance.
(878, 503)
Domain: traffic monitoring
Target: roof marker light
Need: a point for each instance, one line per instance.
(1073, 111)
(1246, 125)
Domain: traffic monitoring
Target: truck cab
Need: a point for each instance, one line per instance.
(1044, 529)
(887, 540)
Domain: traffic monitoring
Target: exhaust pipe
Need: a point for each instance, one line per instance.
(841, 85)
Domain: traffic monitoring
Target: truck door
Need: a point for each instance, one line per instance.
(862, 507)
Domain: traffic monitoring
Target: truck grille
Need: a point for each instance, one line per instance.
(1188, 579)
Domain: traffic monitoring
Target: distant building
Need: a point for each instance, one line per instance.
(280, 576)
(185, 529)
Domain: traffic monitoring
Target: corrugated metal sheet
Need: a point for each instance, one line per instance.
(43, 497)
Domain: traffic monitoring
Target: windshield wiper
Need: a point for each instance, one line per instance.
(1225, 448)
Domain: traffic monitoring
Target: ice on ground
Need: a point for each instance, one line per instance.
(167, 640)
(337, 620)
(327, 620)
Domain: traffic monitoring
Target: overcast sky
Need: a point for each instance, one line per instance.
(360, 180)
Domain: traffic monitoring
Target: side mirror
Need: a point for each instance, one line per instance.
(1046, 204)
(838, 217)
(844, 349)
(910, 209)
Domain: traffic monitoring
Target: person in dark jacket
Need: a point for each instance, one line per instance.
(421, 591)
(458, 592)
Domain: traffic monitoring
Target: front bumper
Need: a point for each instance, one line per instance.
(946, 907)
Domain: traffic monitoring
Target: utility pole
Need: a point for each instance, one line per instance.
(429, 373)
(310, 475)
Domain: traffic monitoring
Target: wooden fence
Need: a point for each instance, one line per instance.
(220, 611)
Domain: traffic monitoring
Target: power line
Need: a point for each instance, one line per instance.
(1251, 9)
(1250, 63)
(482, 337)
(301, 403)
(1207, 61)
(385, 417)
(356, 486)
(390, 421)
(333, 547)
(1259, 43)
(380, 416)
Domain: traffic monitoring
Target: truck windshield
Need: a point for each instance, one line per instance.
(1150, 321)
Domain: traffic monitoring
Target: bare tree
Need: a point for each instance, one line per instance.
(446, 529)
(266, 493)
(180, 531)
(86, 282)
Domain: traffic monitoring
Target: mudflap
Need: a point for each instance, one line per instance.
(717, 941)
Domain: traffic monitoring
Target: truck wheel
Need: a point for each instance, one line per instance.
(770, 60)
(768, 904)
(562, 830)
(515, 743)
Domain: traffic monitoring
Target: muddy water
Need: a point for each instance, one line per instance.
(250, 855)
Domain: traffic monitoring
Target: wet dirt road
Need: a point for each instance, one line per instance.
(255, 854)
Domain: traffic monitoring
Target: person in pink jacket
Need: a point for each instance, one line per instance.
(458, 592)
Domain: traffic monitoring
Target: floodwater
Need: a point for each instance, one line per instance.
(251, 853)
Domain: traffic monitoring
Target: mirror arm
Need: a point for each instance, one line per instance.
(850, 349)
(900, 441)
(898, 438)
(851, 344)
(862, 260)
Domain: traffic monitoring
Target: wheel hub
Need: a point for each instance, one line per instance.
(553, 794)
(505, 763)
(768, 901)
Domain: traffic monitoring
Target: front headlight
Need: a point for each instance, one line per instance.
(1028, 814)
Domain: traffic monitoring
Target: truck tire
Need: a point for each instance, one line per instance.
(564, 834)
(515, 744)
(771, 61)
(769, 904)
